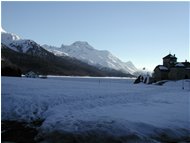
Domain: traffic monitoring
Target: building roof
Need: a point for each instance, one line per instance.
(162, 68)
(170, 56)
(186, 64)
(179, 65)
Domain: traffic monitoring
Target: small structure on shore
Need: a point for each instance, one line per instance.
(31, 74)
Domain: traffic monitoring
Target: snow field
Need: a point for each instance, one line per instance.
(115, 106)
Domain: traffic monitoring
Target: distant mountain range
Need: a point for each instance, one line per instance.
(86, 53)
(77, 59)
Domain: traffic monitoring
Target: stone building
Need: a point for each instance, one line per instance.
(171, 69)
(169, 61)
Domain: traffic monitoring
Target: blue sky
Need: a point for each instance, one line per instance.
(142, 32)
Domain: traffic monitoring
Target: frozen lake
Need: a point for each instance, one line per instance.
(112, 106)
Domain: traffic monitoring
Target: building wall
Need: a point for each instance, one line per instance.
(169, 62)
(177, 73)
(160, 75)
(187, 73)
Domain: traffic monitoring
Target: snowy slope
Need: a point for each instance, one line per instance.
(17, 44)
(79, 50)
(86, 53)
(8, 38)
(100, 105)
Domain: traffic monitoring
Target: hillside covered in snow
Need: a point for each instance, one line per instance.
(25, 55)
(99, 58)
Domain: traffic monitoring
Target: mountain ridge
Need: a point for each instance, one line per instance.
(29, 55)
(80, 50)
(83, 51)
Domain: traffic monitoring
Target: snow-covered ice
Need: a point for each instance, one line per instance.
(112, 105)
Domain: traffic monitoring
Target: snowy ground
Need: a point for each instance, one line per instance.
(111, 106)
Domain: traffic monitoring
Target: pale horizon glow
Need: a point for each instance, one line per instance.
(141, 32)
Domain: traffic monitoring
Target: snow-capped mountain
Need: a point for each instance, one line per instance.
(86, 53)
(17, 44)
(79, 50)
(7, 38)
